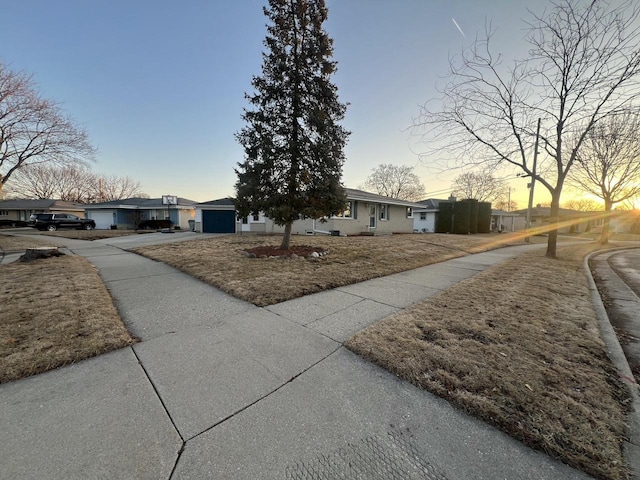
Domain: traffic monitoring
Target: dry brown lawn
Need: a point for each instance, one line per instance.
(89, 234)
(9, 243)
(517, 346)
(219, 261)
(53, 312)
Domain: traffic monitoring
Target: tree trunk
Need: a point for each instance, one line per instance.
(553, 234)
(604, 235)
(286, 240)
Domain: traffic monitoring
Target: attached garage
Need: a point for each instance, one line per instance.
(216, 216)
(218, 221)
(103, 218)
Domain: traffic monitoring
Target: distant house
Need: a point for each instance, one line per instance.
(625, 222)
(19, 210)
(502, 221)
(130, 212)
(569, 221)
(365, 213)
(426, 216)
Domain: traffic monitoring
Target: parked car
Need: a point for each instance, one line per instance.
(54, 221)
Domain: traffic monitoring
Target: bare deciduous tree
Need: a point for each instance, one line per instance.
(34, 130)
(481, 186)
(583, 66)
(582, 205)
(608, 164)
(114, 187)
(503, 203)
(395, 181)
(73, 183)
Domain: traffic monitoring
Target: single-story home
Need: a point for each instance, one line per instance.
(503, 221)
(130, 212)
(365, 213)
(425, 216)
(571, 221)
(19, 210)
(625, 222)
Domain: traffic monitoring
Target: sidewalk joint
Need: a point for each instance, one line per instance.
(158, 395)
(230, 416)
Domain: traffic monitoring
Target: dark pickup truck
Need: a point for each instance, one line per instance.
(54, 221)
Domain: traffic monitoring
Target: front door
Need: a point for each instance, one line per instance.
(372, 216)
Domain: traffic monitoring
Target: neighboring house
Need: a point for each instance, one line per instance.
(502, 221)
(625, 222)
(128, 213)
(569, 221)
(21, 209)
(426, 216)
(365, 213)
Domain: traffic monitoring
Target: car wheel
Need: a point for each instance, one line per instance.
(52, 228)
(88, 226)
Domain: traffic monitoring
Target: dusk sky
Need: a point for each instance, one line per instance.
(159, 86)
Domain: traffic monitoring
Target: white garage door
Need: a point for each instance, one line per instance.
(103, 218)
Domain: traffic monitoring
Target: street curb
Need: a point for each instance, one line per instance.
(619, 360)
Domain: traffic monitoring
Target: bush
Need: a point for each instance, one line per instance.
(13, 223)
(154, 224)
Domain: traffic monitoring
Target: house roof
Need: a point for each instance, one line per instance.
(563, 212)
(226, 201)
(137, 203)
(361, 195)
(351, 193)
(39, 204)
(430, 204)
(503, 213)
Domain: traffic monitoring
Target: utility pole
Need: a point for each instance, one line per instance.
(533, 182)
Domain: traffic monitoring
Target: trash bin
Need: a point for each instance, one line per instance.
(192, 225)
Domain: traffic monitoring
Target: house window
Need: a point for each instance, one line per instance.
(346, 213)
(409, 212)
(384, 212)
(4, 213)
(256, 217)
(245, 220)
(423, 215)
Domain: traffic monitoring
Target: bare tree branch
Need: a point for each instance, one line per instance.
(608, 163)
(481, 186)
(395, 181)
(73, 183)
(33, 130)
(583, 67)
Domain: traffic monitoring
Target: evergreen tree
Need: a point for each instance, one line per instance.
(293, 144)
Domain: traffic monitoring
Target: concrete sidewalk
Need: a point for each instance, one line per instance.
(219, 388)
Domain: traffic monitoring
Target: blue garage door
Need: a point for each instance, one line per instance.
(218, 221)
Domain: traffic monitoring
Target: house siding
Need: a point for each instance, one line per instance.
(397, 222)
(428, 225)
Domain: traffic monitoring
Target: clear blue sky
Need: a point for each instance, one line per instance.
(159, 85)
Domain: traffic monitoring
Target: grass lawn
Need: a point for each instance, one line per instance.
(89, 234)
(55, 311)
(517, 346)
(220, 261)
